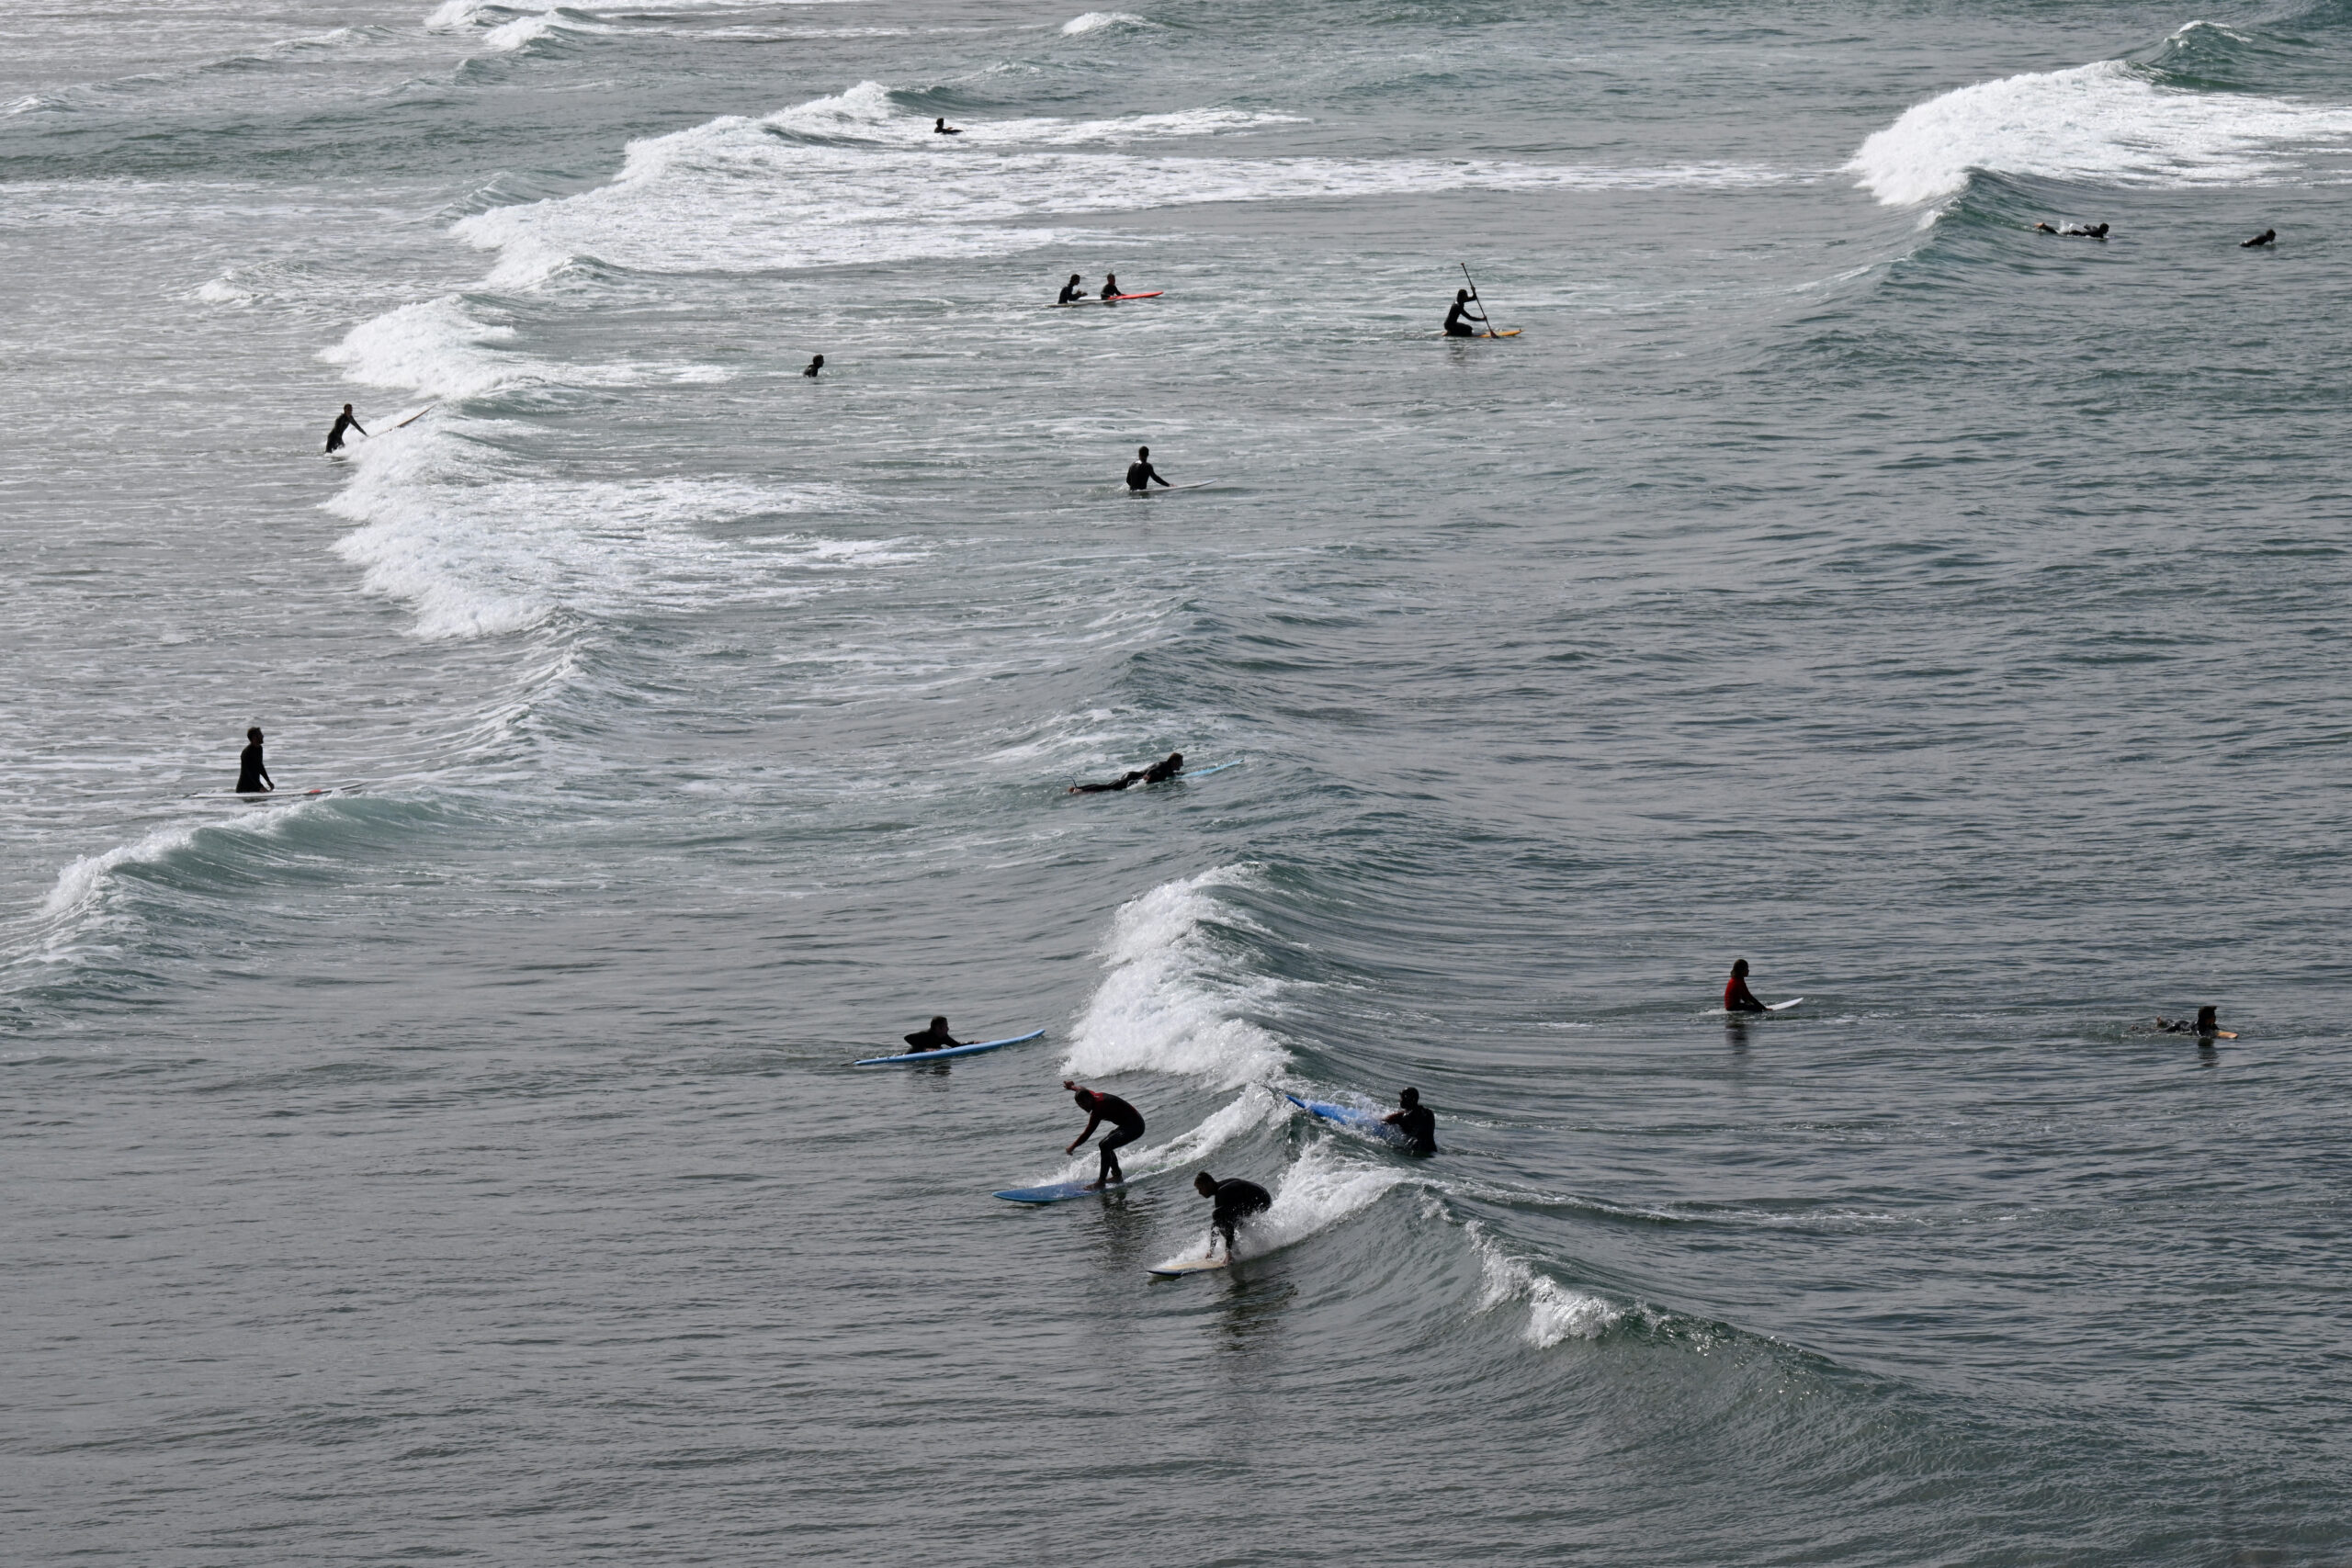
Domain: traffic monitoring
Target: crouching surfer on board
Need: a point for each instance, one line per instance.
(1140, 473)
(2207, 1027)
(345, 421)
(1415, 1122)
(252, 777)
(1458, 318)
(1167, 768)
(1737, 998)
(1235, 1201)
(936, 1038)
(1127, 1120)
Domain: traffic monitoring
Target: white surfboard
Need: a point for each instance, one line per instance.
(1782, 1006)
(1189, 1266)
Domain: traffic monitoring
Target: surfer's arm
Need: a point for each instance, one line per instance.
(1155, 474)
(1091, 1122)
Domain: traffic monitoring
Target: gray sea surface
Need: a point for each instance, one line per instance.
(465, 1164)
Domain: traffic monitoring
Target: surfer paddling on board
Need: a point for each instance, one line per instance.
(2207, 1026)
(1167, 768)
(1073, 292)
(1140, 473)
(934, 1038)
(941, 128)
(345, 421)
(1737, 998)
(1415, 1122)
(814, 366)
(1458, 318)
(1235, 1202)
(1125, 1119)
(2267, 237)
(252, 777)
(2074, 231)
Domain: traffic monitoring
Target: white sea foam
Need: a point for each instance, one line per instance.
(1094, 21)
(1254, 1106)
(79, 885)
(2102, 121)
(1173, 986)
(1321, 1188)
(508, 36)
(1555, 1312)
(851, 179)
(435, 346)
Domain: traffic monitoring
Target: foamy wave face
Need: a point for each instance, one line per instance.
(1253, 1109)
(1319, 1191)
(852, 179)
(1554, 1311)
(2102, 121)
(436, 346)
(1094, 21)
(477, 551)
(1167, 1004)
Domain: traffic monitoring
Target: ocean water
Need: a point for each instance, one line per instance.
(1947, 617)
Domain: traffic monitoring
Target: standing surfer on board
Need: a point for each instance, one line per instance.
(1737, 998)
(1236, 1201)
(1140, 473)
(1101, 1108)
(1457, 318)
(936, 1038)
(345, 421)
(252, 777)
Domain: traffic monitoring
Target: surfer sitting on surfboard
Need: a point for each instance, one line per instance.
(1073, 292)
(1236, 1201)
(345, 421)
(1737, 998)
(1456, 319)
(1111, 289)
(1124, 1118)
(1415, 1122)
(252, 777)
(1140, 473)
(941, 128)
(1167, 768)
(2207, 1026)
(936, 1038)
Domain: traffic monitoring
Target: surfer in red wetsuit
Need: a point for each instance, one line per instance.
(1737, 998)
(936, 1038)
(1125, 1119)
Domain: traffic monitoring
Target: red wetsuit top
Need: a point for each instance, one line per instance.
(1737, 998)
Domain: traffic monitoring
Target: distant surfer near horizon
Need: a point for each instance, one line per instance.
(814, 366)
(1073, 292)
(345, 421)
(1235, 1201)
(934, 1038)
(1737, 998)
(1140, 473)
(2207, 1026)
(1127, 1120)
(1416, 1123)
(2074, 231)
(2267, 237)
(941, 128)
(1167, 768)
(1457, 318)
(252, 777)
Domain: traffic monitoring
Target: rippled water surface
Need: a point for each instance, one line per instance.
(1946, 616)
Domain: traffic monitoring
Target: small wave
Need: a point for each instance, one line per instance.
(1253, 1108)
(435, 346)
(1321, 1188)
(1095, 21)
(1555, 1312)
(80, 884)
(1167, 1004)
(2103, 122)
(509, 37)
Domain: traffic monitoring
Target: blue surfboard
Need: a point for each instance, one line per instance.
(909, 1058)
(1213, 768)
(1059, 1192)
(1352, 1117)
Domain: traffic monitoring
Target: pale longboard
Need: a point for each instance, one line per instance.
(1190, 1266)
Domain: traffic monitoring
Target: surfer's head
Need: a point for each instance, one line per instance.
(939, 1026)
(1085, 1097)
(254, 735)
(1408, 1098)
(2096, 230)
(1740, 966)
(1205, 1184)
(1462, 296)
(2208, 1020)
(1143, 452)
(346, 408)
(1076, 276)
(1175, 759)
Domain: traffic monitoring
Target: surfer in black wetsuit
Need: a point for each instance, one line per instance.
(2207, 1027)
(345, 421)
(1737, 998)
(1073, 292)
(1125, 1119)
(941, 128)
(1458, 318)
(1417, 1123)
(2267, 237)
(2072, 231)
(1111, 289)
(1167, 768)
(252, 777)
(814, 366)
(936, 1038)
(1235, 1202)
(1140, 473)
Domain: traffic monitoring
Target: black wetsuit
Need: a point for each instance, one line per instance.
(1456, 319)
(343, 421)
(2268, 236)
(1072, 294)
(1133, 777)
(1128, 1124)
(1111, 291)
(1141, 474)
(927, 1040)
(252, 777)
(1162, 771)
(1236, 1201)
(1419, 1126)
